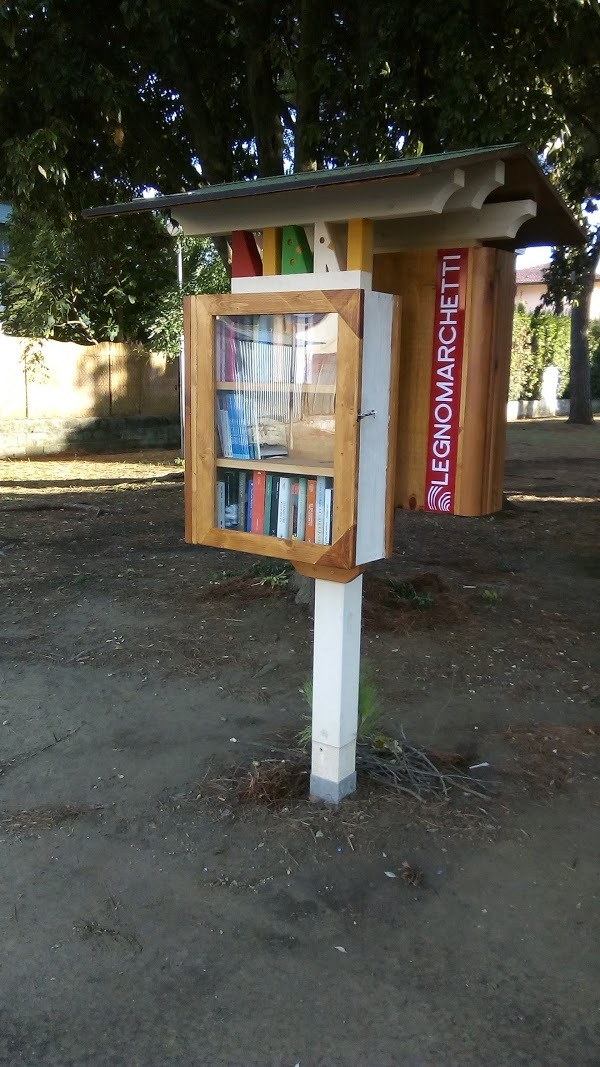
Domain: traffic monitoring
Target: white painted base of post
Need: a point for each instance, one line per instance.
(336, 671)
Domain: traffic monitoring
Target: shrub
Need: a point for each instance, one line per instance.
(544, 340)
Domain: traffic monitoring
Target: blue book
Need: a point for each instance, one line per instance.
(320, 512)
(241, 428)
(233, 427)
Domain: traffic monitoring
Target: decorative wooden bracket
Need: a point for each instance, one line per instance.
(330, 253)
(245, 257)
(296, 256)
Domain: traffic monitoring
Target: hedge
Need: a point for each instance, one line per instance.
(543, 340)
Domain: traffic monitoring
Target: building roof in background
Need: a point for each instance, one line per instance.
(532, 275)
(535, 275)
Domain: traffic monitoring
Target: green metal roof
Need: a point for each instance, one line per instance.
(311, 179)
(524, 179)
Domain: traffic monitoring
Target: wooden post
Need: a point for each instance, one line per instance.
(336, 670)
(360, 245)
(271, 251)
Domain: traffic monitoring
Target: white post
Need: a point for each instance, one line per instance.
(336, 670)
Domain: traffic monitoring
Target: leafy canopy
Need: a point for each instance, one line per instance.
(146, 94)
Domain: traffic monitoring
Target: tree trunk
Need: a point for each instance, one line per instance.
(579, 384)
(307, 134)
(258, 28)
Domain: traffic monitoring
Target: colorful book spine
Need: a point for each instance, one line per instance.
(259, 479)
(301, 520)
(320, 512)
(311, 511)
(283, 506)
(268, 494)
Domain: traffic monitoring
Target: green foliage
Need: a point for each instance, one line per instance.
(203, 272)
(167, 92)
(75, 282)
(594, 333)
(369, 709)
(539, 340)
(491, 596)
(115, 280)
(407, 592)
(271, 572)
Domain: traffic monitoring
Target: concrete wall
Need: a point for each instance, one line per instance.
(26, 438)
(57, 397)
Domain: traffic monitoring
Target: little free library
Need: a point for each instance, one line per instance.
(360, 364)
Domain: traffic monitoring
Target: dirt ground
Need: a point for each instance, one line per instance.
(147, 918)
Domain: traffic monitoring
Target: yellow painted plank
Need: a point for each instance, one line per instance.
(272, 251)
(360, 245)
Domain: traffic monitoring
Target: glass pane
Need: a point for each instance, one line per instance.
(275, 418)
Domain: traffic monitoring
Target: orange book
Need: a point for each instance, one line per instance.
(258, 501)
(311, 510)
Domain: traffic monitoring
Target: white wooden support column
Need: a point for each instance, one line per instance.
(336, 670)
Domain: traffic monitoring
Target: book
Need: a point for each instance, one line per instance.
(229, 350)
(268, 493)
(221, 504)
(301, 519)
(219, 350)
(235, 451)
(311, 510)
(224, 427)
(294, 508)
(274, 507)
(231, 500)
(242, 478)
(320, 512)
(258, 502)
(268, 436)
(248, 526)
(283, 511)
(328, 515)
(264, 329)
(239, 427)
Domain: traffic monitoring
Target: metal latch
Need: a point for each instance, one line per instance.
(365, 414)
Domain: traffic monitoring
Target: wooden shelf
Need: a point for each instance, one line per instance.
(306, 387)
(281, 465)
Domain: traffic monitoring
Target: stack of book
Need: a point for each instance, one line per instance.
(287, 506)
(265, 367)
(245, 432)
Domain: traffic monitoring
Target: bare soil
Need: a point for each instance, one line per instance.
(148, 917)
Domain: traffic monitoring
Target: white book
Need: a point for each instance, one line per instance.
(327, 522)
(302, 494)
(283, 513)
(320, 512)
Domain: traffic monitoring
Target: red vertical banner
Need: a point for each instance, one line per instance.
(446, 378)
